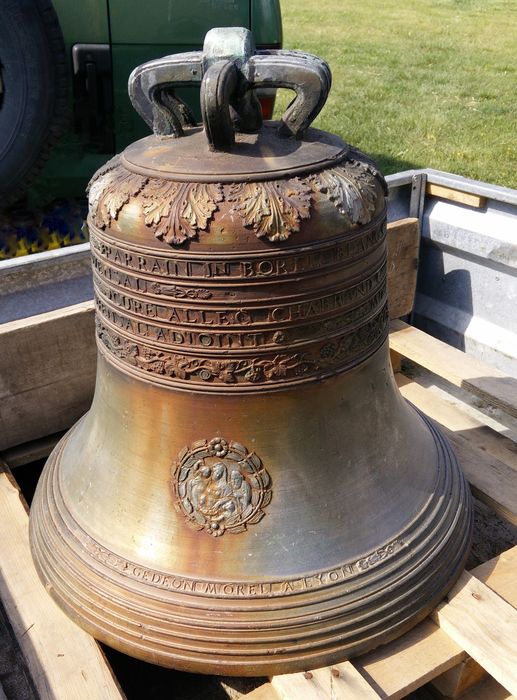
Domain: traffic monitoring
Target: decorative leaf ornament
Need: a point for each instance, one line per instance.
(272, 209)
(118, 194)
(353, 194)
(110, 191)
(100, 181)
(179, 209)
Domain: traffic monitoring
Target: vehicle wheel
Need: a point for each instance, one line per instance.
(33, 87)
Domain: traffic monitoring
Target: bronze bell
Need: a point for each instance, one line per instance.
(249, 494)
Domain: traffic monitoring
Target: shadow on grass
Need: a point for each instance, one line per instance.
(388, 164)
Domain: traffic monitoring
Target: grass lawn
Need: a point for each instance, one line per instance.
(418, 83)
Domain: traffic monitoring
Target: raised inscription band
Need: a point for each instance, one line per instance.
(198, 337)
(180, 304)
(256, 372)
(249, 267)
(186, 327)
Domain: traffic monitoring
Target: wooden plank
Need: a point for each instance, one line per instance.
(444, 411)
(471, 200)
(64, 661)
(263, 692)
(48, 373)
(299, 686)
(460, 369)
(346, 681)
(339, 682)
(485, 625)
(407, 663)
(30, 451)
(402, 240)
(500, 574)
(492, 480)
(426, 651)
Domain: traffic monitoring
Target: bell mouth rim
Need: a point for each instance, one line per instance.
(254, 158)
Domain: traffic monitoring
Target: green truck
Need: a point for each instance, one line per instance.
(64, 66)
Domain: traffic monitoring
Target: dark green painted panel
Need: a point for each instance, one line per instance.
(266, 22)
(141, 31)
(181, 22)
(83, 21)
(128, 125)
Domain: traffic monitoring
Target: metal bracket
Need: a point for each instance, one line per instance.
(417, 198)
(93, 93)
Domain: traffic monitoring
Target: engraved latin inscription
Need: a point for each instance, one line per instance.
(282, 313)
(249, 337)
(230, 589)
(283, 367)
(279, 266)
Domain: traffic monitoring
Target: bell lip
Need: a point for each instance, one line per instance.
(266, 666)
(255, 157)
(117, 612)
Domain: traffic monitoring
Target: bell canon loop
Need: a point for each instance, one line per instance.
(249, 493)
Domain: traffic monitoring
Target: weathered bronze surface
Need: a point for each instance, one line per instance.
(249, 493)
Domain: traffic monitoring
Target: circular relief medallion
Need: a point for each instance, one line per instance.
(220, 487)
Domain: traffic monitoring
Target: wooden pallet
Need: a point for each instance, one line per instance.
(467, 647)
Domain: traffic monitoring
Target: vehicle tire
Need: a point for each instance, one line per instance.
(33, 104)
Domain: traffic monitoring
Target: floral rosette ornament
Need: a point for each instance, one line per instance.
(218, 447)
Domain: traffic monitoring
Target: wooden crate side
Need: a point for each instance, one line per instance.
(31, 451)
(402, 241)
(48, 373)
(64, 661)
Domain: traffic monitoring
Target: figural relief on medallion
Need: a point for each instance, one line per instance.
(220, 487)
